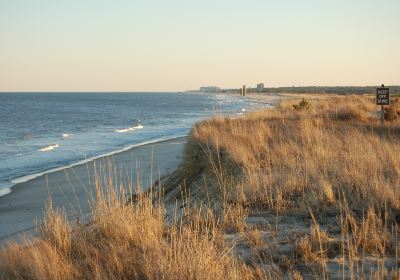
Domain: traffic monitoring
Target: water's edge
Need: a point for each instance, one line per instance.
(14, 182)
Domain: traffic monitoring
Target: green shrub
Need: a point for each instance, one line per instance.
(303, 104)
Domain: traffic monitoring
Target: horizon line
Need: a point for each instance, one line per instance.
(188, 90)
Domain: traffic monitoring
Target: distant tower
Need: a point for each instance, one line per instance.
(244, 90)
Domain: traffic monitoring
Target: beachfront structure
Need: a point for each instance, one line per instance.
(212, 89)
(244, 91)
(260, 87)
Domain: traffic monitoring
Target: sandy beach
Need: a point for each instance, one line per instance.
(70, 188)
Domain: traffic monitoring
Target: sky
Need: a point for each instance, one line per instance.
(174, 45)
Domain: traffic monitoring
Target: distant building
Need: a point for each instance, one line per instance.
(212, 89)
(260, 87)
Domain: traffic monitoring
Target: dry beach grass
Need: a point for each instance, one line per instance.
(125, 240)
(285, 193)
(319, 186)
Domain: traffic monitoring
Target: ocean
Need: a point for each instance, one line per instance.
(44, 132)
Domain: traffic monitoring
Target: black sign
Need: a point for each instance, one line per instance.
(382, 96)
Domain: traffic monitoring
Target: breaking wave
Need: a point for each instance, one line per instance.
(49, 148)
(129, 129)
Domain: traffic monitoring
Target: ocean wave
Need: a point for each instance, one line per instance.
(49, 148)
(66, 135)
(129, 129)
(124, 130)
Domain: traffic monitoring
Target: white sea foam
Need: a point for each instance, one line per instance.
(49, 148)
(66, 135)
(4, 191)
(129, 129)
(125, 130)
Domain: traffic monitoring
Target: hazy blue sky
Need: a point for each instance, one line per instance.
(98, 45)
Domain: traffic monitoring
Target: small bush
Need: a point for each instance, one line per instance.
(303, 104)
(392, 112)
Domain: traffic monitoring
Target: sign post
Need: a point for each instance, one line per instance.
(382, 99)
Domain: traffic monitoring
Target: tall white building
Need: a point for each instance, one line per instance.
(211, 89)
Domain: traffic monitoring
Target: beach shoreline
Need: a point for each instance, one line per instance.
(70, 187)
(265, 99)
(28, 177)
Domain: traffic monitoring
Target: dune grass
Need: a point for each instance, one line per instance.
(288, 193)
(126, 239)
(330, 165)
(284, 158)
